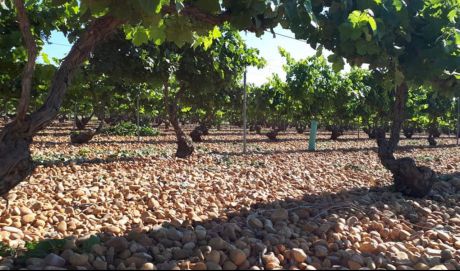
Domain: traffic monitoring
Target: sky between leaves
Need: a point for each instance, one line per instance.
(267, 44)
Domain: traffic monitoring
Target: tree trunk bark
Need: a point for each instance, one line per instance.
(408, 132)
(196, 134)
(83, 137)
(184, 144)
(273, 134)
(409, 179)
(81, 123)
(258, 129)
(336, 132)
(5, 109)
(29, 68)
(15, 139)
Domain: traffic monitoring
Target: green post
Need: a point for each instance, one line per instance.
(313, 131)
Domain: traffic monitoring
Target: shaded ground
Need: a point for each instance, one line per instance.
(116, 185)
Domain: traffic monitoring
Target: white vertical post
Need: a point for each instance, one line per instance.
(138, 117)
(245, 97)
(458, 119)
(75, 116)
(359, 127)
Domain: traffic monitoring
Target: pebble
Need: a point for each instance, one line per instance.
(148, 266)
(457, 244)
(237, 256)
(118, 243)
(421, 266)
(99, 249)
(255, 223)
(299, 255)
(99, 264)
(280, 215)
(112, 229)
(444, 236)
(213, 256)
(354, 265)
(62, 227)
(321, 251)
(456, 183)
(213, 266)
(270, 259)
(404, 235)
(439, 267)
(229, 266)
(200, 233)
(199, 266)
(54, 260)
(78, 259)
(174, 235)
(446, 255)
(29, 218)
(218, 243)
(368, 247)
(12, 230)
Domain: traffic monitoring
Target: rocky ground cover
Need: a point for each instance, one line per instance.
(121, 204)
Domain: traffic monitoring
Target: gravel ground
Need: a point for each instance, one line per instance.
(119, 204)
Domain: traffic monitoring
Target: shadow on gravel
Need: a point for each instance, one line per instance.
(344, 150)
(56, 134)
(359, 228)
(106, 142)
(262, 138)
(94, 161)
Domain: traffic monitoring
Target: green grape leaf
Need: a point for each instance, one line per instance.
(452, 15)
(157, 34)
(398, 4)
(319, 51)
(215, 33)
(210, 6)
(140, 36)
(45, 58)
(372, 23)
(337, 62)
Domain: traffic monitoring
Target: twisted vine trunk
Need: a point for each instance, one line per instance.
(82, 137)
(15, 139)
(184, 144)
(81, 123)
(336, 132)
(409, 178)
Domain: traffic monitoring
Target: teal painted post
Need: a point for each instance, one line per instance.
(313, 132)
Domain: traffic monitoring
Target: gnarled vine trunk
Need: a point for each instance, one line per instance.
(300, 128)
(81, 123)
(196, 135)
(272, 135)
(432, 141)
(336, 132)
(409, 132)
(15, 139)
(184, 144)
(83, 137)
(410, 179)
(258, 129)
